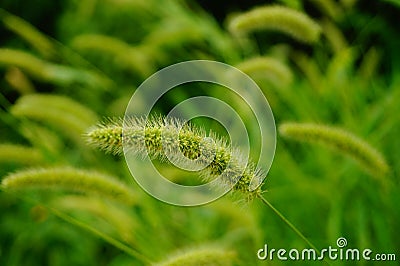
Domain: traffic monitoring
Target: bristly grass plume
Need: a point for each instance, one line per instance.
(292, 22)
(69, 116)
(339, 139)
(154, 136)
(201, 256)
(273, 69)
(20, 154)
(67, 178)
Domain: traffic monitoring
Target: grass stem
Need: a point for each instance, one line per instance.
(109, 239)
(294, 228)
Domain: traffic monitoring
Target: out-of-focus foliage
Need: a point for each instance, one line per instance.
(65, 64)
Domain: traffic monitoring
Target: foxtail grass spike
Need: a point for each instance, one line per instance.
(334, 36)
(276, 71)
(144, 137)
(201, 256)
(25, 61)
(67, 178)
(19, 154)
(29, 33)
(60, 102)
(369, 64)
(339, 69)
(341, 140)
(59, 111)
(49, 72)
(279, 18)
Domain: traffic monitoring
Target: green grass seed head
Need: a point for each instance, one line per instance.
(207, 256)
(106, 136)
(60, 102)
(70, 179)
(156, 136)
(339, 139)
(20, 154)
(334, 36)
(29, 33)
(279, 18)
(61, 112)
(275, 70)
(370, 64)
(61, 75)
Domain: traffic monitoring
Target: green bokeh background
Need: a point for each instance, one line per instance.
(350, 78)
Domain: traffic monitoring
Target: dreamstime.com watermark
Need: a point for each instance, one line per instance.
(337, 253)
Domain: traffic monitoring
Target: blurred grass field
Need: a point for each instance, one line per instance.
(65, 65)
